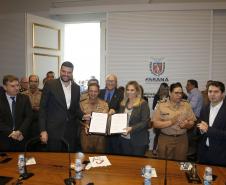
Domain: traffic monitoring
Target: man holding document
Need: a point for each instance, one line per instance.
(113, 97)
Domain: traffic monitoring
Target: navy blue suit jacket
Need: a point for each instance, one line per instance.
(115, 100)
(216, 152)
(23, 114)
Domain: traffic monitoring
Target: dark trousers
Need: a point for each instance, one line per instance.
(10, 145)
(209, 155)
(112, 144)
(71, 135)
(193, 139)
(34, 131)
(126, 147)
(157, 133)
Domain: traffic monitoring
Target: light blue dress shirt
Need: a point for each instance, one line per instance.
(196, 101)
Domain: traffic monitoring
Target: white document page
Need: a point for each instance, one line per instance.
(98, 123)
(99, 161)
(30, 161)
(118, 123)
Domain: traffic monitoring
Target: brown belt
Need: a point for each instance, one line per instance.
(172, 135)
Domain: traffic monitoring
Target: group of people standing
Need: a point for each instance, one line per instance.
(59, 113)
(191, 126)
(134, 139)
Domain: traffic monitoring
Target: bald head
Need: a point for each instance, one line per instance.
(24, 83)
(33, 82)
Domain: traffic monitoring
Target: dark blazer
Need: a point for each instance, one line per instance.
(1, 90)
(115, 100)
(216, 152)
(23, 113)
(56, 119)
(139, 121)
(155, 101)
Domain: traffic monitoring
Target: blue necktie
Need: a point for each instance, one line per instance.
(108, 97)
(13, 110)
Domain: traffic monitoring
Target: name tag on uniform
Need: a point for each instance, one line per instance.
(164, 115)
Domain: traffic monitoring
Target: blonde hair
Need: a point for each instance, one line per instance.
(114, 76)
(138, 99)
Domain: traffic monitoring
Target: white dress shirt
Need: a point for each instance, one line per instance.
(129, 112)
(67, 93)
(213, 113)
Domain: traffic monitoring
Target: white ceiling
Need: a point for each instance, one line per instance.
(42, 7)
(74, 3)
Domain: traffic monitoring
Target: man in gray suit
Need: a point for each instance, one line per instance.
(60, 111)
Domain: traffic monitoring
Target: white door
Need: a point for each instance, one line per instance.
(44, 46)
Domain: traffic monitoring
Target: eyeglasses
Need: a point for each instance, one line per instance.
(110, 81)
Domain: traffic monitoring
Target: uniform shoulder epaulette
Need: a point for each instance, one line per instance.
(184, 100)
(24, 92)
(162, 101)
(82, 100)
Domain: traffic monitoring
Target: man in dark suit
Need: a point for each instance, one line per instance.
(15, 116)
(60, 110)
(111, 94)
(1, 90)
(113, 97)
(212, 148)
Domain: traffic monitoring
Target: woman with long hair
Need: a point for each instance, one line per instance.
(134, 140)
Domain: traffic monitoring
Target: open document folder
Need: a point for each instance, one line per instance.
(101, 123)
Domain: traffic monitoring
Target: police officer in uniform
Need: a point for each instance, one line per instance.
(34, 95)
(93, 143)
(173, 117)
(84, 95)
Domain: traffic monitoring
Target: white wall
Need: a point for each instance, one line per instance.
(219, 46)
(134, 37)
(30, 19)
(12, 45)
(16, 43)
(192, 44)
